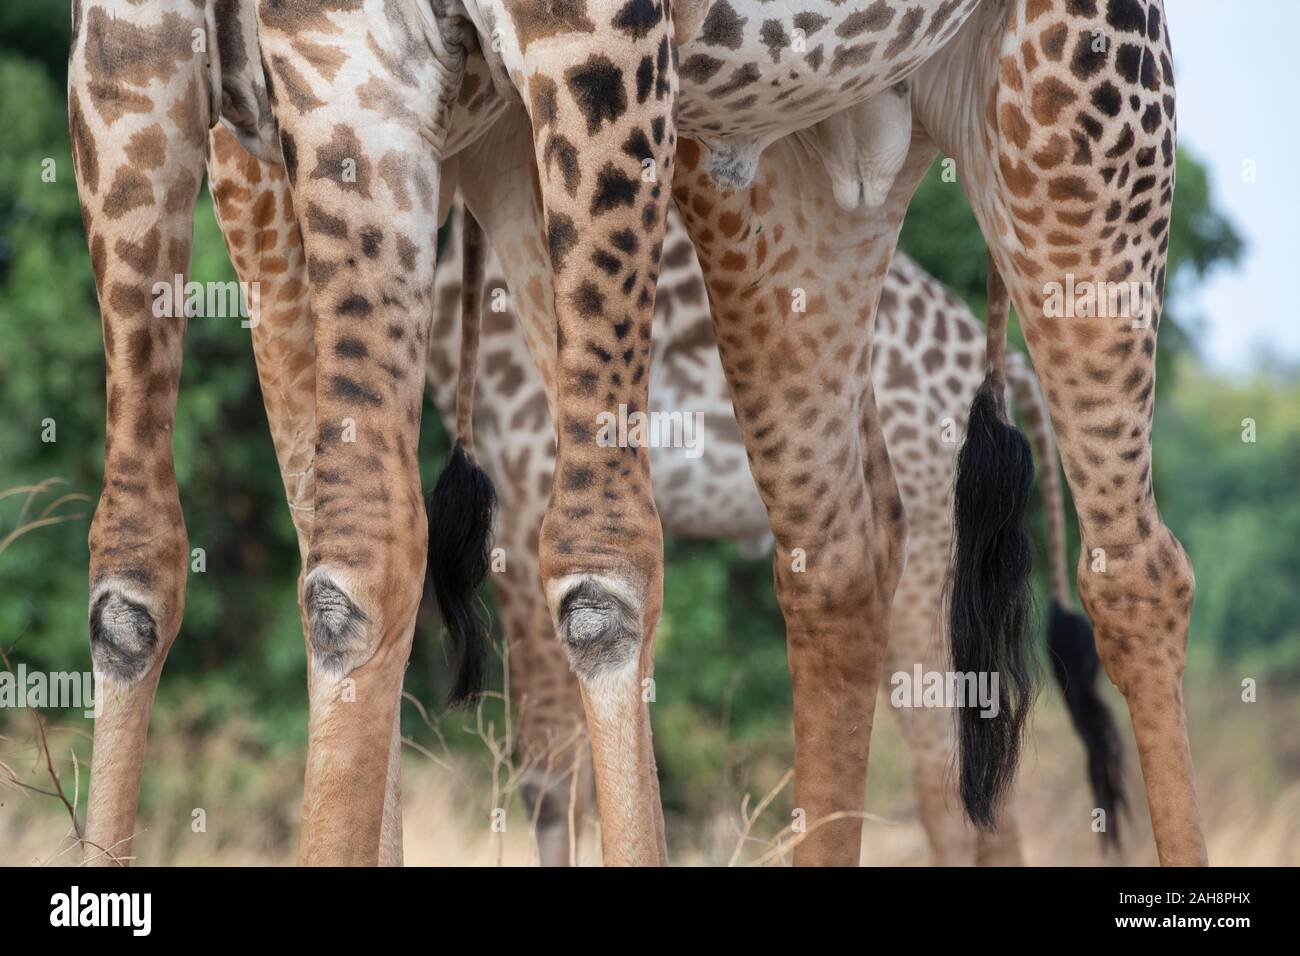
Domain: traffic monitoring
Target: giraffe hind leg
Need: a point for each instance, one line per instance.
(243, 187)
(519, 457)
(805, 405)
(1074, 196)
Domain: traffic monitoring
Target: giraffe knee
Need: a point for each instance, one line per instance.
(336, 625)
(123, 636)
(1139, 598)
(600, 630)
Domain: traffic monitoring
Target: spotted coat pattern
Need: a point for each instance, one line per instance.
(929, 361)
(1060, 114)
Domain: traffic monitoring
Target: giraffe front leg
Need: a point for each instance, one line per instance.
(601, 106)
(794, 283)
(138, 100)
(360, 122)
(255, 211)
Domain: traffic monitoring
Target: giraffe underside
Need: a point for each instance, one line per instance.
(751, 69)
(750, 73)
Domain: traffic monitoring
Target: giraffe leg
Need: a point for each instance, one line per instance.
(138, 106)
(256, 215)
(255, 211)
(915, 639)
(551, 739)
(1075, 209)
(390, 826)
(601, 107)
(793, 284)
(712, 495)
(364, 181)
(550, 734)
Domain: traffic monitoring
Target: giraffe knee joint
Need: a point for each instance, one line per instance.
(123, 636)
(598, 628)
(336, 626)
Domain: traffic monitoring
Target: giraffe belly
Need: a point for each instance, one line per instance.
(756, 71)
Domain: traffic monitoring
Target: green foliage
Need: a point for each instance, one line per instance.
(38, 30)
(51, 364)
(1232, 502)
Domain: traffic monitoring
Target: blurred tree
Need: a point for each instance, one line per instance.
(1230, 452)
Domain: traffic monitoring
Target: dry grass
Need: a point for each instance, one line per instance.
(1247, 760)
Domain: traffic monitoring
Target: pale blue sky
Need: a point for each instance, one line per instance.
(1237, 67)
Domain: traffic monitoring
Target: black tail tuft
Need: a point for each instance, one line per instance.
(990, 600)
(460, 535)
(1076, 665)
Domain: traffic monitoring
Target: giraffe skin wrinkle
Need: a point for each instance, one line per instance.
(598, 628)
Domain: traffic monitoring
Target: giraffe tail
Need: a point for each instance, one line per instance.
(1071, 648)
(989, 598)
(462, 504)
